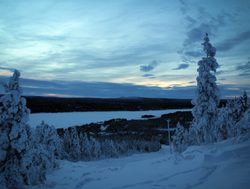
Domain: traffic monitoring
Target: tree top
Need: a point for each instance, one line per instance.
(207, 47)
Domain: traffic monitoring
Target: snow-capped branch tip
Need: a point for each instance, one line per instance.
(206, 38)
(16, 74)
(14, 82)
(208, 48)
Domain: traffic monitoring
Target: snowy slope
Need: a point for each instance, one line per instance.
(221, 165)
(67, 119)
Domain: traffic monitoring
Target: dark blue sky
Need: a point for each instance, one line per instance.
(123, 48)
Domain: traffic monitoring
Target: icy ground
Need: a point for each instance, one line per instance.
(67, 119)
(215, 166)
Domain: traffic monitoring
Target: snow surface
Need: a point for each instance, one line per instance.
(221, 165)
(67, 119)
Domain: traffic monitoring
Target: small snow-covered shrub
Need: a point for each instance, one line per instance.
(180, 140)
(47, 135)
(48, 140)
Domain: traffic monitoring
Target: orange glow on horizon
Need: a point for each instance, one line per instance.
(153, 82)
(5, 72)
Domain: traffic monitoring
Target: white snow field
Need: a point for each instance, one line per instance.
(215, 166)
(67, 119)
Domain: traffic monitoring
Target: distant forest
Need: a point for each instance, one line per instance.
(55, 104)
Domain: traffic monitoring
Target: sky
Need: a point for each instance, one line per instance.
(125, 48)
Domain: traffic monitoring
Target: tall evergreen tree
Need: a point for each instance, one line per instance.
(207, 96)
(20, 162)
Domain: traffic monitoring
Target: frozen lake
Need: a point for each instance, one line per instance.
(68, 119)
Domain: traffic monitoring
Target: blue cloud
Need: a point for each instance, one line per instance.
(194, 54)
(149, 67)
(101, 41)
(115, 90)
(230, 43)
(181, 67)
(150, 76)
(8, 69)
(196, 34)
(244, 69)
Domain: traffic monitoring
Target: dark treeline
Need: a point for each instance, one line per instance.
(54, 104)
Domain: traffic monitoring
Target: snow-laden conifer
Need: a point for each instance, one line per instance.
(243, 126)
(244, 103)
(229, 116)
(47, 138)
(85, 147)
(207, 97)
(95, 147)
(110, 148)
(20, 162)
(72, 144)
(180, 140)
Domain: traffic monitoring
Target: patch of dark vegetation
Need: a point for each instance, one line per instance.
(148, 129)
(147, 116)
(184, 118)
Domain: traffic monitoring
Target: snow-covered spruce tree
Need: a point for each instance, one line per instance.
(244, 103)
(207, 97)
(20, 164)
(227, 118)
(85, 147)
(230, 115)
(243, 126)
(224, 122)
(90, 148)
(47, 138)
(109, 148)
(180, 139)
(72, 144)
(95, 148)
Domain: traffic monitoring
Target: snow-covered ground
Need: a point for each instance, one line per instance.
(215, 166)
(67, 119)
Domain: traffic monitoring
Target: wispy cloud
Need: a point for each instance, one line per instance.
(196, 34)
(184, 7)
(115, 90)
(8, 69)
(101, 41)
(150, 76)
(244, 69)
(230, 43)
(90, 89)
(181, 67)
(197, 25)
(193, 54)
(149, 67)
